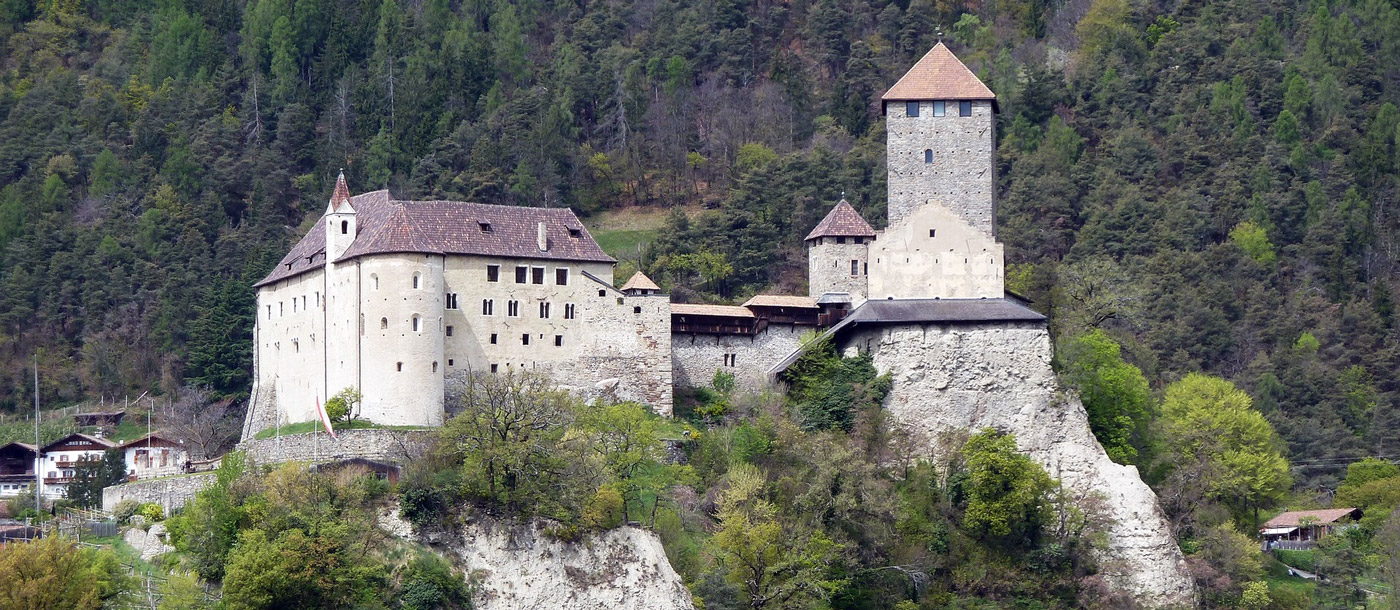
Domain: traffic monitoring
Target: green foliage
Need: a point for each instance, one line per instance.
(1005, 489)
(183, 591)
(830, 390)
(152, 512)
(208, 527)
(604, 510)
(1115, 394)
(431, 583)
(91, 476)
(53, 572)
(344, 405)
(1253, 240)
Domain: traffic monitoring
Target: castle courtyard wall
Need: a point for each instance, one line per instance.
(695, 357)
(952, 378)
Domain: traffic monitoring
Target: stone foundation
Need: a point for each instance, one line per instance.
(171, 493)
(375, 444)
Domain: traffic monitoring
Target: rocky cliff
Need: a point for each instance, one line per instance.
(518, 566)
(969, 377)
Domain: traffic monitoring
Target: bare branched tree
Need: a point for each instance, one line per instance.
(206, 426)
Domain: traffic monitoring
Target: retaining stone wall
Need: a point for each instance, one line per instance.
(375, 444)
(170, 492)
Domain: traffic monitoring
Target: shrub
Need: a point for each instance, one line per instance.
(125, 509)
(151, 511)
(604, 510)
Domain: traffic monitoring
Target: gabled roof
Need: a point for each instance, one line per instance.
(386, 225)
(1320, 517)
(939, 75)
(155, 438)
(694, 309)
(843, 221)
(25, 446)
(639, 281)
(781, 300)
(100, 442)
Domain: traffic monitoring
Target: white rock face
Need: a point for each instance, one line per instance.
(149, 543)
(951, 378)
(517, 567)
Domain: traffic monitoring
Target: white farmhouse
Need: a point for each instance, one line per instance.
(155, 455)
(61, 458)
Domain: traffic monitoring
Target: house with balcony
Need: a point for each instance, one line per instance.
(1302, 529)
(17, 468)
(61, 458)
(155, 455)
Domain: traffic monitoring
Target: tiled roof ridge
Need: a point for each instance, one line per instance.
(842, 220)
(939, 75)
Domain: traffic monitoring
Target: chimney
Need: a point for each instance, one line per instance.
(543, 241)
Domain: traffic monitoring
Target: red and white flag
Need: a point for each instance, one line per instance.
(325, 419)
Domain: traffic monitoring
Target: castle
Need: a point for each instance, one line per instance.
(400, 299)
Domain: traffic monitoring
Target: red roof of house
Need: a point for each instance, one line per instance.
(1321, 517)
(386, 225)
(939, 75)
(781, 300)
(100, 442)
(157, 440)
(843, 220)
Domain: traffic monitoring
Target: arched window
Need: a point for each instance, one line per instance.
(384, 324)
(928, 155)
(344, 227)
(375, 278)
(416, 324)
(416, 280)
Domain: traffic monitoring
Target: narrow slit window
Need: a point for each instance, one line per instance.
(928, 155)
(400, 365)
(544, 310)
(513, 309)
(417, 280)
(451, 300)
(570, 311)
(384, 324)
(417, 324)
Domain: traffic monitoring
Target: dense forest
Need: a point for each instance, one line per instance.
(1184, 187)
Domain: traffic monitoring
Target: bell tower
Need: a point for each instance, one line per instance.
(340, 221)
(940, 141)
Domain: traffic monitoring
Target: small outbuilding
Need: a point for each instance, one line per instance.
(155, 455)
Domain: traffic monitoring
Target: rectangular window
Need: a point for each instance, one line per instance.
(911, 109)
(488, 307)
(938, 109)
(544, 310)
(449, 362)
(513, 309)
(525, 339)
(537, 275)
(558, 340)
(840, 240)
(561, 277)
(452, 300)
(855, 267)
(520, 273)
(495, 367)
(485, 227)
(569, 311)
(493, 338)
(493, 273)
(932, 232)
(964, 108)
(449, 330)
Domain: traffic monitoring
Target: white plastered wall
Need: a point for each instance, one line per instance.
(957, 261)
(289, 350)
(403, 369)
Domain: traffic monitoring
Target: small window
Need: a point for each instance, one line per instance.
(840, 240)
(451, 300)
(384, 324)
(938, 109)
(400, 367)
(344, 227)
(495, 367)
(637, 309)
(488, 307)
(417, 280)
(855, 267)
(544, 309)
(416, 324)
(964, 108)
(449, 362)
(513, 309)
(619, 300)
(493, 273)
(493, 338)
(570, 311)
(525, 339)
(561, 277)
(601, 293)
(485, 227)
(537, 275)
(449, 330)
(865, 268)
(558, 340)
(575, 233)
(933, 232)
(911, 109)
(520, 274)
(375, 277)
(434, 366)
(928, 155)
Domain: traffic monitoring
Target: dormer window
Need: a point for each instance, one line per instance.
(485, 227)
(911, 109)
(575, 233)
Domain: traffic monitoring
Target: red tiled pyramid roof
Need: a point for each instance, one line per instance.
(939, 75)
(341, 196)
(386, 225)
(842, 220)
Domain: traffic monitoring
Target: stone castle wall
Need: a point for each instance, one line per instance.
(171, 493)
(376, 444)
(829, 267)
(970, 377)
(962, 173)
(934, 253)
(696, 357)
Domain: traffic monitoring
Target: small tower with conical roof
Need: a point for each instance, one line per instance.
(838, 254)
(940, 140)
(340, 221)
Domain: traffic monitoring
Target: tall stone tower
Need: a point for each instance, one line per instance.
(940, 140)
(838, 254)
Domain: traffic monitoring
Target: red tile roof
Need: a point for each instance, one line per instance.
(639, 281)
(386, 225)
(699, 309)
(781, 300)
(100, 442)
(940, 75)
(341, 196)
(1321, 517)
(843, 220)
